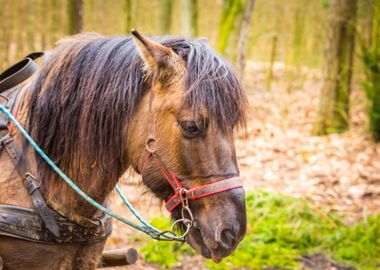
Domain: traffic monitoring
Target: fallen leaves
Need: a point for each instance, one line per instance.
(279, 152)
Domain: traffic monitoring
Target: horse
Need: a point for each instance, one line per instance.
(93, 106)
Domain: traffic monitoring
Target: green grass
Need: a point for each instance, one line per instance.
(280, 230)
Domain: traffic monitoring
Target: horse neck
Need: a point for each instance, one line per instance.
(98, 189)
(95, 183)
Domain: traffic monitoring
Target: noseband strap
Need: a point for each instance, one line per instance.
(180, 193)
(202, 191)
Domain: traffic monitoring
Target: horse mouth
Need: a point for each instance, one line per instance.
(197, 241)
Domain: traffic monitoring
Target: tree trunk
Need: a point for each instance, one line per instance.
(7, 26)
(55, 18)
(371, 59)
(31, 25)
(44, 10)
(232, 10)
(75, 10)
(334, 105)
(299, 31)
(244, 36)
(271, 63)
(189, 18)
(128, 11)
(19, 28)
(165, 16)
(2, 40)
(118, 257)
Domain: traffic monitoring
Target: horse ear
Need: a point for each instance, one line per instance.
(154, 55)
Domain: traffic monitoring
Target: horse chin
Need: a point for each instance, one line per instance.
(197, 242)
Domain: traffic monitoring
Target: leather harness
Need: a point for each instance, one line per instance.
(48, 222)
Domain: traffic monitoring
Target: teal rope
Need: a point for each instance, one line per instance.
(133, 210)
(147, 228)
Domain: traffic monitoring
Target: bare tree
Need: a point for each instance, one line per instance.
(230, 21)
(165, 16)
(31, 24)
(340, 44)
(75, 9)
(128, 11)
(189, 18)
(244, 35)
(371, 59)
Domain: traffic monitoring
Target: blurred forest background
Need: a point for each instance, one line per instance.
(310, 156)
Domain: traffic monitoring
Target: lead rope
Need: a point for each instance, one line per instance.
(168, 235)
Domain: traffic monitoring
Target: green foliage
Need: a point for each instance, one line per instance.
(231, 10)
(358, 245)
(280, 230)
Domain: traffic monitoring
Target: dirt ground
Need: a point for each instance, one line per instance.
(339, 173)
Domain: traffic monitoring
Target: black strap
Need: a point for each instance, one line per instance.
(19, 72)
(8, 101)
(26, 224)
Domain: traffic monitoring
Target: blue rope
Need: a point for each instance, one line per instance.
(147, 228)
(133, 210)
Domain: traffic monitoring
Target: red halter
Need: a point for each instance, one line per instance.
(180, 193)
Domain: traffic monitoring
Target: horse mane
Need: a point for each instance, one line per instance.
(90, 86)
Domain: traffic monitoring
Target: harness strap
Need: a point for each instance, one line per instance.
(72, 216)
(32, 186)
(25, 223)
(19, 72)
(8, 101)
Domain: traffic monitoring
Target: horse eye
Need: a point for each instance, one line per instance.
(190, 127)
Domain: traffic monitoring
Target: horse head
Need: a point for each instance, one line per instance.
(183, 134)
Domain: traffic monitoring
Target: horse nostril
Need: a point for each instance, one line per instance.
(227, 237)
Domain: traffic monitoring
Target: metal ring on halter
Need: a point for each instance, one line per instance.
(181, 237)
(148, 147)
(186, 222)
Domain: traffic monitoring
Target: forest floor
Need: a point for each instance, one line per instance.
(335, 173)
